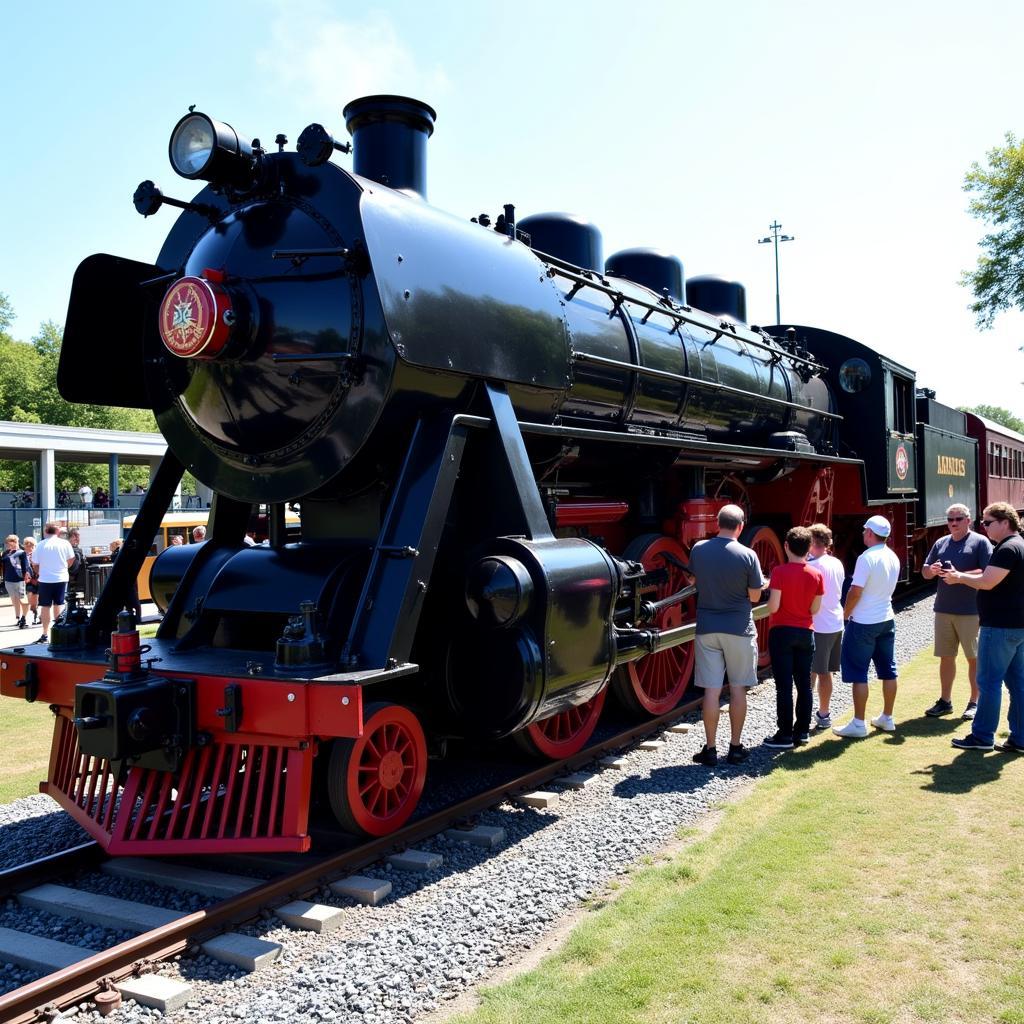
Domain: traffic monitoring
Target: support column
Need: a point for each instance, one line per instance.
(47, 482)
(113, 484)
(205, 494)
(176, 500)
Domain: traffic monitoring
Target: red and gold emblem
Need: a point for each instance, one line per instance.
(193, 320)
(902, 462)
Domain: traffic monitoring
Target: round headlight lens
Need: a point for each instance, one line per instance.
(192, 145)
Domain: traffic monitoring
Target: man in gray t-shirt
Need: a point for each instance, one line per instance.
(956, 608)
(729, 581)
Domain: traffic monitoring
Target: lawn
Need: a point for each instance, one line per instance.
(873, 881)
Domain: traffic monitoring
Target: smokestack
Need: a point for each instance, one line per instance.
(389, 140)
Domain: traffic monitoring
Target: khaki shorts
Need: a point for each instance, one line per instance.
(827, 647)
(724, 654)
(951, 630)
(15, 588)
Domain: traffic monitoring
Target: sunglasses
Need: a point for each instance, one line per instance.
(955, 519)
(989, 522)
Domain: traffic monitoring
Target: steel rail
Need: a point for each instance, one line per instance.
(43, 869)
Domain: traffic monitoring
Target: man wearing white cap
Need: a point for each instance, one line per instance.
(870, 633)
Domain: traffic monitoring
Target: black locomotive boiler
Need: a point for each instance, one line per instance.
(501, 448)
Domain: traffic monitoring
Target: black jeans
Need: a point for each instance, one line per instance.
(792, 650)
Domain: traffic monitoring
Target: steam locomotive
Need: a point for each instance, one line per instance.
(501, 447)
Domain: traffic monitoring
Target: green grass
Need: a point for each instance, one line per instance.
(25, 733)
(873, 881)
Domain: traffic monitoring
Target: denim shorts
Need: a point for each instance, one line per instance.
(864, 643)
(52, 593)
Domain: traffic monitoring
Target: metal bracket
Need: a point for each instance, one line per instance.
(30, 683)
(232, 710)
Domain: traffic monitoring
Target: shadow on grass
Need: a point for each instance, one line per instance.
(967, 770)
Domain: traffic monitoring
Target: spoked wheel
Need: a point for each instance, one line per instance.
(656, 684)
(375, 782)
(564, 734)
(766, 546)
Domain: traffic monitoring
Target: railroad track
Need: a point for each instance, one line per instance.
(96, 975)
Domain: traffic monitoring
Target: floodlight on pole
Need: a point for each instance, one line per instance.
(775, 238)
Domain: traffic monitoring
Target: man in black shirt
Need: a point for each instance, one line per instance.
(1001, 637)
(76, 572)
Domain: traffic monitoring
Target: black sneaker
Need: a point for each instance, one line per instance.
(971, 742)
(22, 624)
(800, 738)
(707, 756)
(1009, 747)
(737, 753)
(939, 708)
(45, 640)
(780, 741)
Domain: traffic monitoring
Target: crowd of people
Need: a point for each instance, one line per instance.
(814, 631)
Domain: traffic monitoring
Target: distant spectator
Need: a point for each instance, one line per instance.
(52, 558)
(85, 493)
(177, 539)
(198, 534)
(249, 541)
(17, 573)
(138, 489)
(76, 574)
(32, 583)
(102, 499)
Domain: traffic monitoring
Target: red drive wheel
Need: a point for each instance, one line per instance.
(769, 553)
(375, 782)
(564, 734)
(656, 684)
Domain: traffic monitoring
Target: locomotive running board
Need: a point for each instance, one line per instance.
(239, 797)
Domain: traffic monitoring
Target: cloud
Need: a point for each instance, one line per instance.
(329, 60)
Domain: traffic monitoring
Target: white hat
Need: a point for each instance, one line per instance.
(879, 526)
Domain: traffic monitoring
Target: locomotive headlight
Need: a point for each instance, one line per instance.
(201, 147)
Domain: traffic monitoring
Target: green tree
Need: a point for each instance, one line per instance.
(997, 281)
(998, 414)
(28, 394)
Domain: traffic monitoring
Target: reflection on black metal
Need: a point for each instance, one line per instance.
(647, 371)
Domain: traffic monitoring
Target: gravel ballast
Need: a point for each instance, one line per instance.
(444, 931)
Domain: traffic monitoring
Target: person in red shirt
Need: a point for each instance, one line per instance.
(796, 592)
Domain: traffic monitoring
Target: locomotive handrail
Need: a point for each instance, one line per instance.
(649, 371)
(675, 313)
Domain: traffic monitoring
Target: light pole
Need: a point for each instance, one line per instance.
(775, 238)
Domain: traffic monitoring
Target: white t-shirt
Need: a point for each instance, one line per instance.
(86, 492)
(51, 555)
(830, 616)
(878, 572)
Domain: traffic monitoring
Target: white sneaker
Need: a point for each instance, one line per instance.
(852, 730)
(884, 722)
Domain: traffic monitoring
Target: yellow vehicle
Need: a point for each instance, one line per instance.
(181, 524)
(173, 524)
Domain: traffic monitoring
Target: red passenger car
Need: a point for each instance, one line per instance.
(1000, 462)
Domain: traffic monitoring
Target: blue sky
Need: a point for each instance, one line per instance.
(688, 126)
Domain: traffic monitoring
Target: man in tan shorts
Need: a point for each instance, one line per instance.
(956, 608)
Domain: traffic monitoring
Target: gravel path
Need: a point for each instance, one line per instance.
(442, 933)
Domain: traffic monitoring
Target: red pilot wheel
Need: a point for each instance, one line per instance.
(766, 546)
(564, 734)
(375, 782)
(656, 684)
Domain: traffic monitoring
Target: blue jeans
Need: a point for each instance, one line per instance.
(1000, 659)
